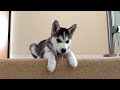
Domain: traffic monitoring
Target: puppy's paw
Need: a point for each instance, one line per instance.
(73, 63)
(51, 68)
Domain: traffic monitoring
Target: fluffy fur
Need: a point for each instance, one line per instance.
(56, 46)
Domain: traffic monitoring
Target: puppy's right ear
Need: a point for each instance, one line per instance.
(55, 26)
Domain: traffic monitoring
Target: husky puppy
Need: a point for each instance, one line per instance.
(56, 46)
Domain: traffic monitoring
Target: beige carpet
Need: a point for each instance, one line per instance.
(88, 68)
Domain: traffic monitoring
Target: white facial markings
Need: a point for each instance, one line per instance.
(66, 38)
(60, 37)
(58, 46)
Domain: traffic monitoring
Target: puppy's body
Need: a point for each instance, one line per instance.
(56, 46)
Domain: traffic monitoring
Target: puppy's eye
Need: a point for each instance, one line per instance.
(67, 41)
(59, 41)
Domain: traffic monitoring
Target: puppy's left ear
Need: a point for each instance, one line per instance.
(72, 29)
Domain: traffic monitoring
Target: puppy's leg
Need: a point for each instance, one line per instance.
(51, 61)
(71, 59)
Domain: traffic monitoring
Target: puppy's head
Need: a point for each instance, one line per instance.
(61, 37)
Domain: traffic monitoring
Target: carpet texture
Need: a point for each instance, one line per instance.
(88, 68)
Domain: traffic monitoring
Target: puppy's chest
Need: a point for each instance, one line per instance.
(46, 49)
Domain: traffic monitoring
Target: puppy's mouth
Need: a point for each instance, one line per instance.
(59, 55)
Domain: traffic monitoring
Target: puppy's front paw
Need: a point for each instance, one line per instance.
(73, 63)
(51, 68)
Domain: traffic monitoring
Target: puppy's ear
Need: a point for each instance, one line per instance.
(72, 29)
(55, 26)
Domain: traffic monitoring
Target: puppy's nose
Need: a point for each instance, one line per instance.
(63, 50)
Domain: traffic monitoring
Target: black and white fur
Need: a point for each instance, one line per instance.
(57, 45)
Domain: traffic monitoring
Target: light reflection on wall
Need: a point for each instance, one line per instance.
(3, 33)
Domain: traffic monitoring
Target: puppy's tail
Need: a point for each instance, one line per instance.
(33, 50)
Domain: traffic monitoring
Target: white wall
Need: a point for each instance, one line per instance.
(90, 38)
